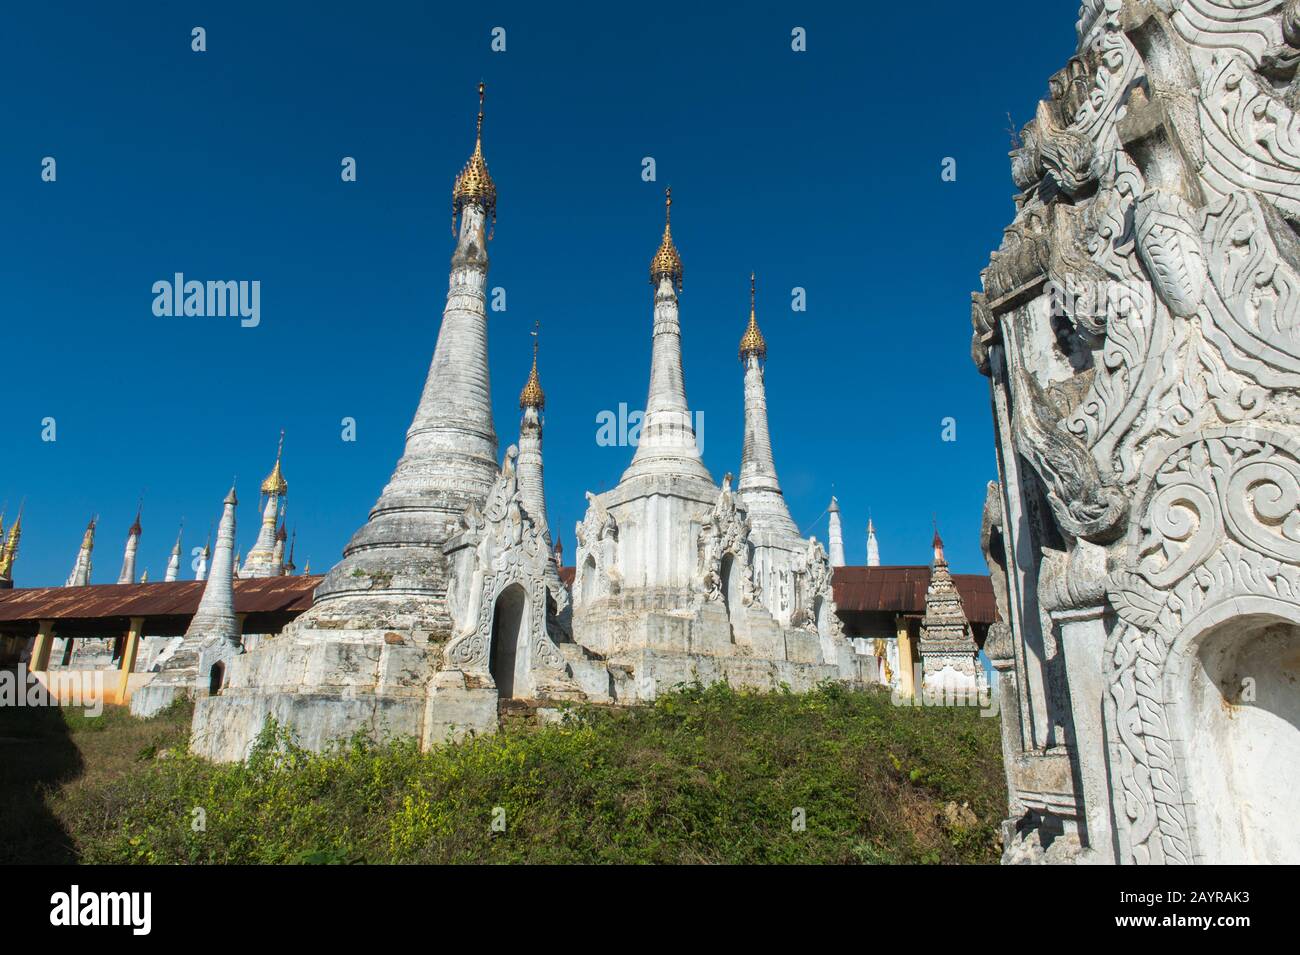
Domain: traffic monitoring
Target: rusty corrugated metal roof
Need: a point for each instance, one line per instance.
(902, 590)
(894, 590)
(176, 599)
(857, 590)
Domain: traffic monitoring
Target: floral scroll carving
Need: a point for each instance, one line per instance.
(1223, 522)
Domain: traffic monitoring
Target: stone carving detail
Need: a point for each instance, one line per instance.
(1224, 522)
(1245, 27)
(1254, 305)
(815, 574)
(1170, 247)
(1066, 157)
(1252, 138)
(1081, 503)
(1140, 325)
(992, 532)
(726, 533)
(510, 550)
(596, 562)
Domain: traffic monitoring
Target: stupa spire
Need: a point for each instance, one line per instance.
(758, 488)
(261, 560)
(529, 464)
(947, 647)
(450, 459)
(277, 555)
(174, 562)
(667, 263)
(80, 576)
(275, 482)
(214, 625)
(474, 185)
(127, 574)
(752, 342)
(873, 546)
(532, 396)
(204, 556)
(667, 443)
(836, 535)
(216, 614)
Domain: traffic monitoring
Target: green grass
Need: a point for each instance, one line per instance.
(705, 775)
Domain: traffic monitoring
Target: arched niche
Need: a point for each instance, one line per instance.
(216, 678)
(1233, 682)
(587, 592)
(730, 587)
(508, 654)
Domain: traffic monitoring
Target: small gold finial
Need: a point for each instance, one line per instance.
(9, 552)
(752, 343)
(666, 261)
(474, 184)
(532, 396)
(275, 482)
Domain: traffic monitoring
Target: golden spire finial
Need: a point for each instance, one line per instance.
(275, 482)
(666, 261)
(532, 396)
(474, 184)
(752, 343)
(9, 552)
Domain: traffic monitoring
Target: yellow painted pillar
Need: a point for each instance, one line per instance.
(129, 653)
(906, 672)
(41, 649)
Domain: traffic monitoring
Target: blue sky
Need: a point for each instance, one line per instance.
(819, 170)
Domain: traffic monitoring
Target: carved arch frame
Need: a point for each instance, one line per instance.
(471, 651)
(726, 534)
(1218, 539)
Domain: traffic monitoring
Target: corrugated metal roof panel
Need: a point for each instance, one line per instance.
(902, 590)
(176, 599)
(857, 590)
